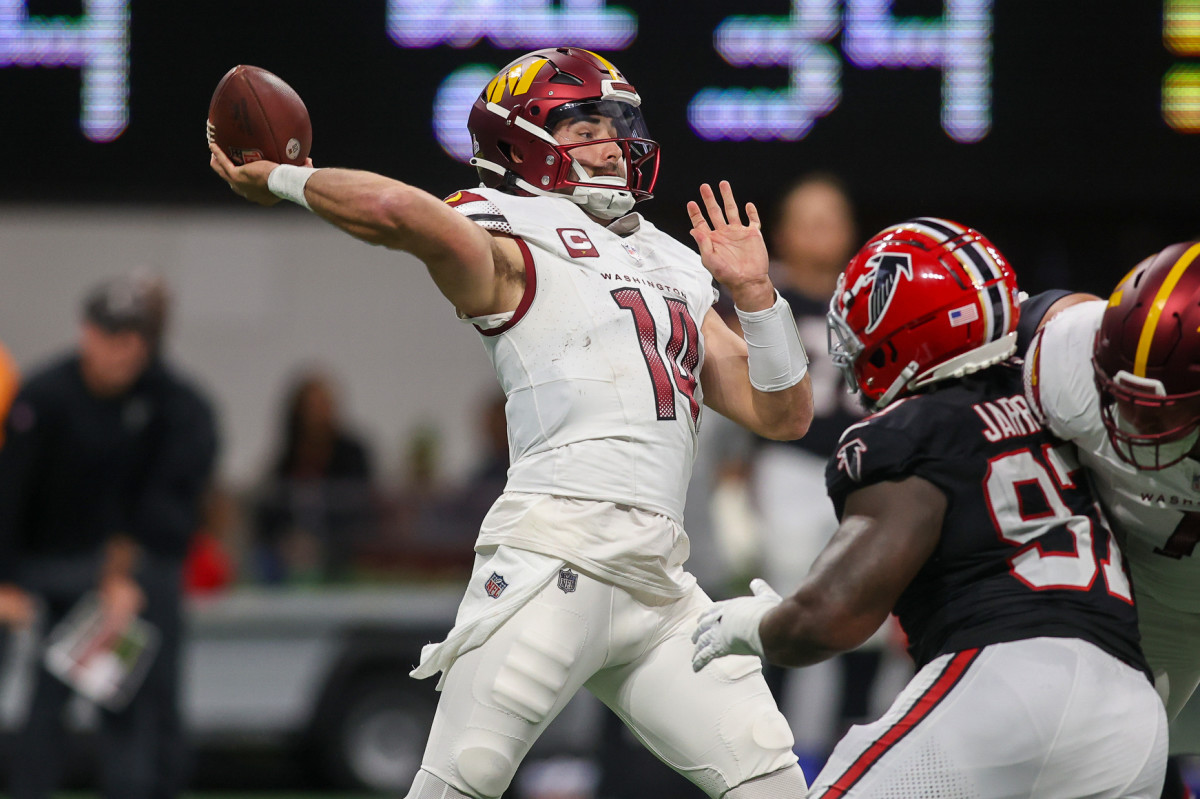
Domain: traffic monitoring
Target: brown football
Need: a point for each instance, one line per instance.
(255, 116)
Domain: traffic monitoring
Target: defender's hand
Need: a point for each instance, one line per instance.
(731, 627)
(249, 181)
(733, 251)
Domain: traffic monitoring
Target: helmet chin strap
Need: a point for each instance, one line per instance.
(898, 385)
(971, 361)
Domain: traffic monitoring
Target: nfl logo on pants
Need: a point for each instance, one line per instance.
(567, 580)
(495, 585)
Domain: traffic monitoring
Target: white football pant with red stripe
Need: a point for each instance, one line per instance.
(1041, 718)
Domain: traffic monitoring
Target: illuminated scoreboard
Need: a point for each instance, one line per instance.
(1021, 101)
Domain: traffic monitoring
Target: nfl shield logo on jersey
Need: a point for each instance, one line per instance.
(495, 585)
(633, 252)
(567, 580)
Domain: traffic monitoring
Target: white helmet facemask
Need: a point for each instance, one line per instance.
(603, 202)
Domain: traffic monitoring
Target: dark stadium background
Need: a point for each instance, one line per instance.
(1078, 178)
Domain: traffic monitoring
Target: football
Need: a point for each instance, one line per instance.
(255, 116)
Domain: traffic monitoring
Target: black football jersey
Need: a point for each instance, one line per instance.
(1024, 549)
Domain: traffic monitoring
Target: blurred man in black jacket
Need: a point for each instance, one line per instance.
(107, 456)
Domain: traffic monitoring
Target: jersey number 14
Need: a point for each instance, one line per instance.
(682, 351)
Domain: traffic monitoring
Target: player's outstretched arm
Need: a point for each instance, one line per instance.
(761, 380)
(479, 274)
(888, 532)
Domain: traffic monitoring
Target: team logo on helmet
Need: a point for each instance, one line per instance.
(885, 271)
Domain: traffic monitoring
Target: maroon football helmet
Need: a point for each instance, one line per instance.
(513, 123)
(922, 301)
(1147, 359)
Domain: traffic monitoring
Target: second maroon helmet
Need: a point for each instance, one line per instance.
(1147, 359)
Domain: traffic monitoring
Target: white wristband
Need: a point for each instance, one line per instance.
(777, 357)
(287, 182)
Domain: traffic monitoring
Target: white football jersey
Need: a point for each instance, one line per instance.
(601, 360)
(1156, 513)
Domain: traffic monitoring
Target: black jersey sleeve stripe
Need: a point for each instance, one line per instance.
(1033, 310)
(487, 218)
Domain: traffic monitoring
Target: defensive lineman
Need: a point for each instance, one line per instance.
(963, 515)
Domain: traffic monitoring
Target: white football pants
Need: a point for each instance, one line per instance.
(718, 728)
(1047, 718)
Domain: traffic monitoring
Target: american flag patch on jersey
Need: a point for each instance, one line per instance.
(495, 585)
(963, 315)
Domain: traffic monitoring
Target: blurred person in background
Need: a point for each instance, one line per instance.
(212, 564)
(16, 606)
(108, 454)
(9, 380)
(318, 500)
(814, 235)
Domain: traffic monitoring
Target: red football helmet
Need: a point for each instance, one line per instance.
(512, 128)
(1147, 359)
(922, 301)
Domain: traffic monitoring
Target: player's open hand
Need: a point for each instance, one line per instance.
(731, 627)
(249, 181)
(732, 250)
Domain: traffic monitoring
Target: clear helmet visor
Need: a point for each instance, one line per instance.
(605, 144)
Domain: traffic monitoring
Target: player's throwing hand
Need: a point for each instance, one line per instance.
(731, 627)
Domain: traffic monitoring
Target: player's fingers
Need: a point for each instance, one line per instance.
(731, 209)
(703, 655)
(752, 215)
(710, 204)
(696, 216)
(703, 625)
(220, 161)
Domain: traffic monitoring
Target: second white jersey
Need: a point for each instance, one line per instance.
(600, 362)
(1158, 512)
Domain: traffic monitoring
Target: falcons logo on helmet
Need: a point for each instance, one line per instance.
(885, 271)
